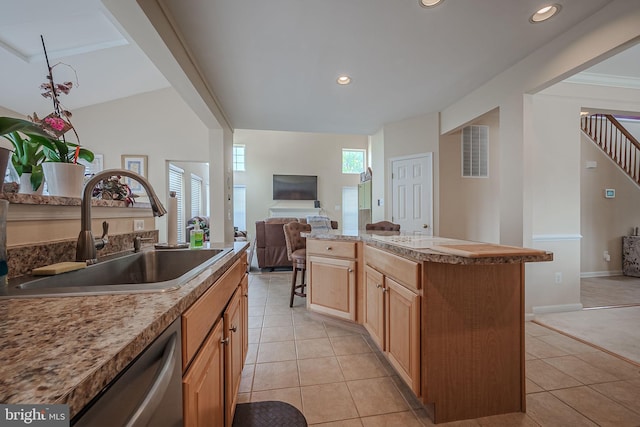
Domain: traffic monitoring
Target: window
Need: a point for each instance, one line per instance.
(475, 151)
(196, 195)
(352, 161)
(240, 207)
(238, 158)
(350, 210)
(176, 183)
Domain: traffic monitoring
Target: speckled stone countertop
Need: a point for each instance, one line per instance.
(66, 349)
(419, 248)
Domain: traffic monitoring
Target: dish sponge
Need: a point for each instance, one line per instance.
(61, 267)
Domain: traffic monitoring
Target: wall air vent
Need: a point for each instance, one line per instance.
(475, 151)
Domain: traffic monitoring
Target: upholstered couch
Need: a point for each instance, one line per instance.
(270, 245)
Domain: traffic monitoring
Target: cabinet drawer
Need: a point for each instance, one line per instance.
(198, 319)
(334, 248)
(403, 270)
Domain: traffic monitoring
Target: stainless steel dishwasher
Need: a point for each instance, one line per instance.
(147, 393)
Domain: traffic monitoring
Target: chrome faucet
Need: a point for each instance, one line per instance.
(86, 246)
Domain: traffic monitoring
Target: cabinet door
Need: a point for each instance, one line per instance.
(403, 332)
(233, 353)
(203, 384)
(244, 287)
(332, 286)
(374, 305)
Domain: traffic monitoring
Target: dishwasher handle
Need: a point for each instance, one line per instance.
(152, 400)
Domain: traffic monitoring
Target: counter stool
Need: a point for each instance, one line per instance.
(297, 254)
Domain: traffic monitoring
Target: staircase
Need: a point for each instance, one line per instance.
(615, 141)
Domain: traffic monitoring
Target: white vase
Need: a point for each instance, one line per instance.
(26, 187)
(64, 179)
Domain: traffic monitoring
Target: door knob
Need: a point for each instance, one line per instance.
(425, 225)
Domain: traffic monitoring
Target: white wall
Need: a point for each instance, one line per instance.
(378, 183)
(156, 124)
(469, 207)
(527, 209)
(296, 153)
(415, 135)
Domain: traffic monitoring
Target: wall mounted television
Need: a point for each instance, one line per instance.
(295, 187)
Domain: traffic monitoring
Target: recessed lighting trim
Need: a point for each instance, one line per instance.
(545, 13)
(343, 80)
(429, 3)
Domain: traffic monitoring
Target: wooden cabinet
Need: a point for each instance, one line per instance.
(402, 327)
(374, 305)
(214, 337)
(331, 275)
(203, 384)
(244, 287)
(233, 352)
(392, 311)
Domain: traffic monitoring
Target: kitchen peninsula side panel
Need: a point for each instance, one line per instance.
(473, 342)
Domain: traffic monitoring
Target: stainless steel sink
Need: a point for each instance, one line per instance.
(148, 271)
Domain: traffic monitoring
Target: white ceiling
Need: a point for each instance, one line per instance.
(272, 65)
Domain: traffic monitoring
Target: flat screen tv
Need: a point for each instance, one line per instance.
(295, 187)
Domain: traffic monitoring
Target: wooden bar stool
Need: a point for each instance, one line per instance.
(297, 253)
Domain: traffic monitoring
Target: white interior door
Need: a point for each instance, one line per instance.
(412, 193)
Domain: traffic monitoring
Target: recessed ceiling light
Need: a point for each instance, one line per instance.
(545, 13)
(343, 80)
(429, 3)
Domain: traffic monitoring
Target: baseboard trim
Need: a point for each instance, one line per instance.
(559, 308)
(605, 273)
(555, 237)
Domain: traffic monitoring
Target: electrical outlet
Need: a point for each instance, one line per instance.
(138, 224)
(606, 256)
(558, 277)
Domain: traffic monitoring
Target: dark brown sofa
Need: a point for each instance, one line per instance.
(270, 245)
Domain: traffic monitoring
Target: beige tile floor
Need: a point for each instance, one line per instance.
(333, 373)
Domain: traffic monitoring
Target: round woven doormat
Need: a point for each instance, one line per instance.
(268, 414)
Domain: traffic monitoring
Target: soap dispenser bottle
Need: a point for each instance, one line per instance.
(196, 236)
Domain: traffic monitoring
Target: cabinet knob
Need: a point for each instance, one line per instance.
(350, 270)
(329, 248)
(385, 289)
(225, 341)
(233, 328)
(378, 285)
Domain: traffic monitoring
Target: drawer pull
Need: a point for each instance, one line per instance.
(329, 248)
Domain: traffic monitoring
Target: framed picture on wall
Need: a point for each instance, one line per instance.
(93, 167)
(138, 164)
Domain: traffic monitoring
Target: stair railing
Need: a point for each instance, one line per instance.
(616, 141)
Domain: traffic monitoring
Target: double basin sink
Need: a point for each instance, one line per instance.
(148, 271)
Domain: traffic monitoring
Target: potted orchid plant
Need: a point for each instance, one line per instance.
(27, 140)
(33, 145)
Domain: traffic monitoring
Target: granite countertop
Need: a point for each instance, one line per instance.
(66, 349)
(433, 248)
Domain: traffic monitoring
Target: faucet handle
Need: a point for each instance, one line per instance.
(105, 229)
(104, 239)
(137, 242)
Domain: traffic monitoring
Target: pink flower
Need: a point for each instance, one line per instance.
(55, 122)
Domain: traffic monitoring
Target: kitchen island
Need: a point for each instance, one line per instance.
(67, 349)
(448, 314)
